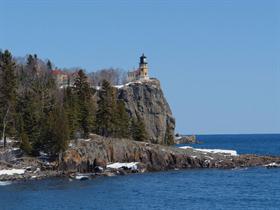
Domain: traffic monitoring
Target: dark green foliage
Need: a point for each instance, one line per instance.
(83, 95)
(70, 107)
(29, 118)
(25, 144)
(169, 138)
(122, 121)
(8, 86)
(138, 130)
(44, 117)
(49, 65)
(55, 133)
(105, 111)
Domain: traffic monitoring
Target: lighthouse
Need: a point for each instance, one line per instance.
(143, 67)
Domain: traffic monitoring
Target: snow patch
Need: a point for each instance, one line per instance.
(5, 183)
(132, 165)
(186, 147)
(222, 151)
(272, 165)
(12, 171)
(82, 177)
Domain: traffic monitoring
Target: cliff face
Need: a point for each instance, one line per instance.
(146, 100)
(85, 155)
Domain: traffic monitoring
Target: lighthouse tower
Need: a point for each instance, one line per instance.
(143, 67)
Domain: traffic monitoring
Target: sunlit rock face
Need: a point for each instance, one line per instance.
(145, 99)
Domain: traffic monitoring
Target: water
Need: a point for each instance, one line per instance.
(254, 188)
(261, 144)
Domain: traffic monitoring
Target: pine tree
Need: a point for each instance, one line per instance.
(30, 119)
(55, 134)
(49, 65)
(82, 91)
(25, 144)
(138, 130)
(169, 138)
(61, 132)
(122, 121)
(32, 65)
(70, 107)
(105, 112)
(8, 84)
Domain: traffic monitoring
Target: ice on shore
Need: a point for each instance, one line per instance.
(132, 165)
(12, 171)
(186, 147)
(4, 183)
(273, 165)
(223, 151)
(81, 177)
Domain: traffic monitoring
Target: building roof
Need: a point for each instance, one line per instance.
(58, 72)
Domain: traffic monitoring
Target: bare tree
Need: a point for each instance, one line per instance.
(5, 122)
(114, 76)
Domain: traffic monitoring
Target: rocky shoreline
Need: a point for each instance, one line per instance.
(99, 156)
(183, 139)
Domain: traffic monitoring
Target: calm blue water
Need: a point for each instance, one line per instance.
(262, 144)
(254, 188)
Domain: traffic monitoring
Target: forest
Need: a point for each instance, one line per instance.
(44, 116)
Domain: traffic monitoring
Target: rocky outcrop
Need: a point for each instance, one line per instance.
(186, 140)
(86, 155)
(146, 100)
(99, 156)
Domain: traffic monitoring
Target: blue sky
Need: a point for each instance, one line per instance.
(218, 61)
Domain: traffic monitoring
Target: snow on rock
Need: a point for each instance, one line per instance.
(272, 165)
(132, 165)
(81, 177)
(223, 151)
(186, 147)
(119, 86)
(127, 84)
(8, 140)
(12, 171)
(4, 183)
(230, 152)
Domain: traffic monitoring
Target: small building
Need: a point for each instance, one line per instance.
(60, 77)
(64, 78)
(141, 73)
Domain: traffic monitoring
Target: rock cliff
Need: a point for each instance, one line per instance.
(146, 100)
(85, 155)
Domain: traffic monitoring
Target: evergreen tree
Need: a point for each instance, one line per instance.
(30, 119)
(169, 138)
(138, 130)
(122, 121)
(105, 112)
(70, 107)
(32, 65)
(25, 144)
(8, 86)
(55, 134)
(83, 94)
(49, 65)
(61, 132)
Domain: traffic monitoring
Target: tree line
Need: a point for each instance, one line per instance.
(43, 117)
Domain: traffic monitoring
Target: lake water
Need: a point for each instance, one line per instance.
(253, 188)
